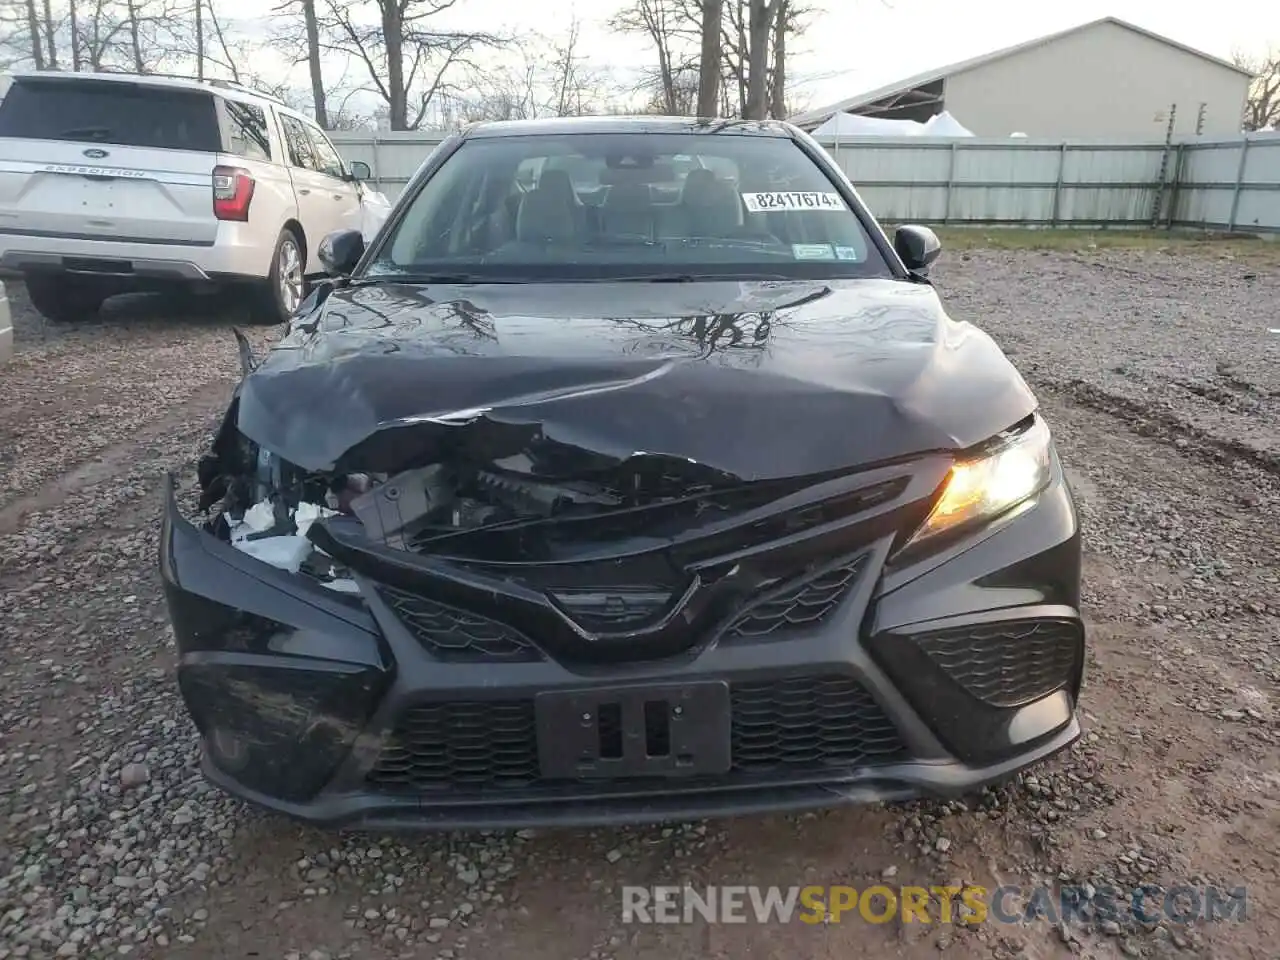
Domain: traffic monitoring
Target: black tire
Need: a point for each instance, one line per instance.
(275, 300)
(65, 299)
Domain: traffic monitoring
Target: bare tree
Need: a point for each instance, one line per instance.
(33, 26)
(21, 35)
(95, 35)
(300, 39)
(670, 27)
(764, 13)
(777, 82)
(106, 35)
(50, 31)
(408, 60)
(710, 58)
(793, 18)
(683, 92)
(736, 57)
(197, 34)
(569, 69)
(506, 91)
(31, 33)
(75, 34)
(312, 26)
(199, 21)
(1262, 108)
(228, 56)
(135, 36)
(748, 47)
(537, 77)
(776, 33)
(150, 37)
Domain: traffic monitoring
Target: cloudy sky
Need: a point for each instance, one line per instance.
(856, 45)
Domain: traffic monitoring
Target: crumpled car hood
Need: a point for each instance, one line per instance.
(757, 380)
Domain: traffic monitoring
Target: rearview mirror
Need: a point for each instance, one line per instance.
(340, 251)
(360, 171)
(917, 246)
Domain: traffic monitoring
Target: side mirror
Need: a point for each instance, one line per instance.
(359, 171)
(917, 246)
(340, 251)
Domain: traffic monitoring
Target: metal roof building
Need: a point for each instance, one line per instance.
(1106, 79)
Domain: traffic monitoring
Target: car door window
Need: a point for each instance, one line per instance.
(301, 151)
(327, 158)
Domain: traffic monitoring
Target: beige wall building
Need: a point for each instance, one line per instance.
(1104, 80)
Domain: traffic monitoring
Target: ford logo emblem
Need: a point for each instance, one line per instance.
(95, 154)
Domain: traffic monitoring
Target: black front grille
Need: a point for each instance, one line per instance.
(795, 726)
(1010, 663)
(808, 723)
(457, 635)
(803, 604)
(490, 743)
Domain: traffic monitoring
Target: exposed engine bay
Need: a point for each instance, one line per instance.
(266, 507)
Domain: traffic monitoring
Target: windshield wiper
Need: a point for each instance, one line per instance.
(79, 133)
(621, 241)
(441, 277)
(675, 277)
(732, 243)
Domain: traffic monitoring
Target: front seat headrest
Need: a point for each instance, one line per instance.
(545, 216)
(557, 182)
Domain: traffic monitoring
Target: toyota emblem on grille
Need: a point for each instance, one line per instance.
(94, 153)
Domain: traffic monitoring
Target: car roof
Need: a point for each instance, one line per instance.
(222, 88)
(560, 126)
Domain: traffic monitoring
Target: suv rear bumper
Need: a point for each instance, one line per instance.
(124, 260)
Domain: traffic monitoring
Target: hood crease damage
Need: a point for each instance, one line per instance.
(604, 457)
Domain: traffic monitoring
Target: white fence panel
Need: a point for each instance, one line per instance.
(1230, 184)
(1221, 185)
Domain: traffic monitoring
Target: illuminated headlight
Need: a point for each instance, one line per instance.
(1008, 472)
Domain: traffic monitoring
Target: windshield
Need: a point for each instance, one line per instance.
(603, 206)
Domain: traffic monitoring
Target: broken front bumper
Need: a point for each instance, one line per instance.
(884, 684)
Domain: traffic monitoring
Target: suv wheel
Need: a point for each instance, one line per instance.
(64, 299)
(286, 284)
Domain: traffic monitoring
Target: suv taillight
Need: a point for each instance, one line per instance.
(232, 193)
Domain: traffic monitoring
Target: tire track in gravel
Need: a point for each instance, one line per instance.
(1185, 655)
(202, 407)
(74, 395)
(1149, 419)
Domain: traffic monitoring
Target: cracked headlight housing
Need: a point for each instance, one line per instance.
(1002, 474)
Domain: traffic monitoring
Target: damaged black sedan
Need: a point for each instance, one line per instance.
(631, 473)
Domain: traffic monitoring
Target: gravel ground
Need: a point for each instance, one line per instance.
(1161, 381)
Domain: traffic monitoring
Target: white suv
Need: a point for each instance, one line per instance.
(112, 183)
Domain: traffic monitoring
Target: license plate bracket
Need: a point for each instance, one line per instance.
(667, 730)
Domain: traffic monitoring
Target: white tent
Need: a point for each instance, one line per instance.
(945, 125)
(853, 125)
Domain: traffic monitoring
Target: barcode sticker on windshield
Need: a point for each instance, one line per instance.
(768, 202)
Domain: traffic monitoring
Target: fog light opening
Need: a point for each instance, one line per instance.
(1041, 718)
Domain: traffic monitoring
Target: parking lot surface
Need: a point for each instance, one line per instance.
(1161, 380)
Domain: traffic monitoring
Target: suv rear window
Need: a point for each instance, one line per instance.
(247, 124)
(109, 111)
